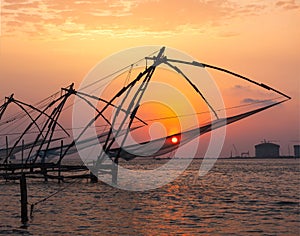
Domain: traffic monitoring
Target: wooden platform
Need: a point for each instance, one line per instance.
(13, 171)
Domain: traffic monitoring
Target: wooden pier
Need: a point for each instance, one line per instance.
(48, 171)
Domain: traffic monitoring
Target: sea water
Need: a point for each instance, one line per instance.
(237, 197)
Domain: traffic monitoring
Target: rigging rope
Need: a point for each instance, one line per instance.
(128, 76)
(155, 119)
(53, 194)
(41, 104)
(116, 72)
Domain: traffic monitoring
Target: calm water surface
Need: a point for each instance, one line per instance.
(237, 197)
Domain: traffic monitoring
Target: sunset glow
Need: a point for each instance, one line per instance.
(48, 44)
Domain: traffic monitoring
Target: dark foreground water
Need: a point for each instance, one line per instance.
(237, 197)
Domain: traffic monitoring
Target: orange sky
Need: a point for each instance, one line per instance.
(47, 44)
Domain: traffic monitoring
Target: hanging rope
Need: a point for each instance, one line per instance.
(51, 195)
(128, 76)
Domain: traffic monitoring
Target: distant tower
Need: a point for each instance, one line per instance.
(267, 149)
(297, 150)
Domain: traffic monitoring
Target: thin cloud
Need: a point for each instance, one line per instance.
(250, 9)
(288, 4)
(158, 18)
(251, 100)
(241, 87)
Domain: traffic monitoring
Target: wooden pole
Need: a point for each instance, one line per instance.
(59, 167)
(24, 211)
(22, 153)
(115, 171)
(93, 177)
(6, 143)
(43, 166)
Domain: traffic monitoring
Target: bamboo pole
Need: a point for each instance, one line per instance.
(24, 210)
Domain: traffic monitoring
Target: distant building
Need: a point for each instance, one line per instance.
(297, 150)
(267, 150)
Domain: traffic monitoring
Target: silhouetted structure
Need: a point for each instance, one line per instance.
(41, 142)
(267, 149)
(297, 150)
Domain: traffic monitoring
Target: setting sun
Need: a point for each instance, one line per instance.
(174, 140)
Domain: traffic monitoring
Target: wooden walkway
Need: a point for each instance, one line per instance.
(13, 171)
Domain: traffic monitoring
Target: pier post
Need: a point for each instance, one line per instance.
(59, 173)
(7, 152)
(22, 153)
(24, 211)
(6, 144)
(114, 171)
(44, 170)
(59, 164)
(93, 177)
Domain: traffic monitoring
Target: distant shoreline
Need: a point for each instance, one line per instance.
(229, 158)
(280, 157)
